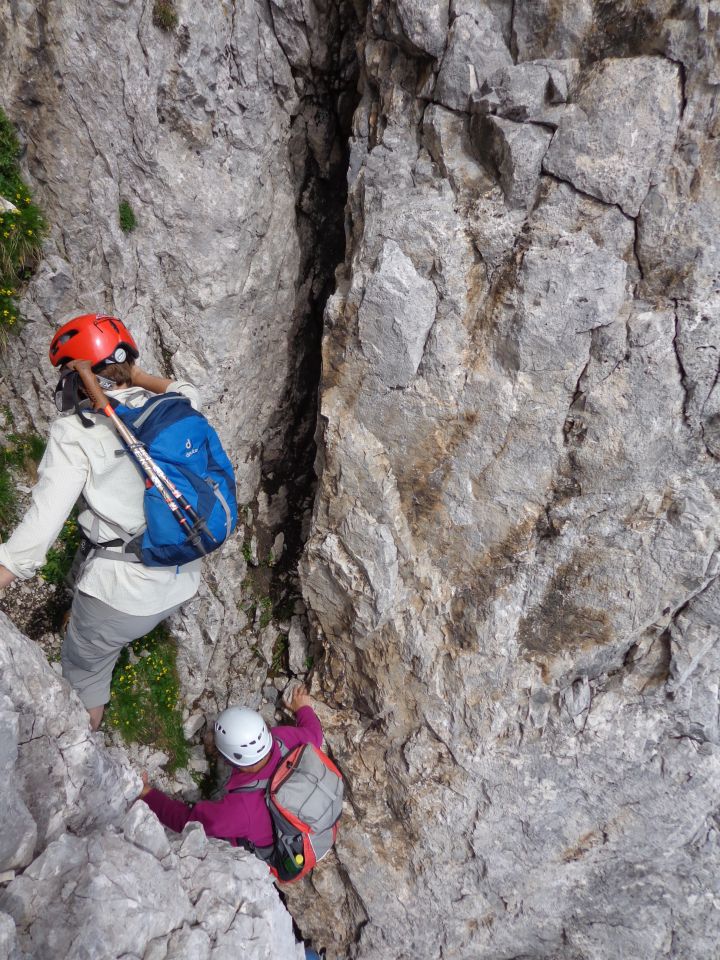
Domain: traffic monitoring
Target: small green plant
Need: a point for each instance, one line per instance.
(285, 607)
(126, 216)
(60, 558)
(266, 611)
(208, 782)
(8, 502)
(279, 663)
(247, 552)
(22, 229)
(144, 697)
(22, 452)
(165, 15)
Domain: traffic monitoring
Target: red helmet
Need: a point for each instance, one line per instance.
(94, 337)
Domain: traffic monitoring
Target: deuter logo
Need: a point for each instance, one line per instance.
(190, 450)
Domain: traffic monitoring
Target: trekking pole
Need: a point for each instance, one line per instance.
(187, 507)
(156, 477)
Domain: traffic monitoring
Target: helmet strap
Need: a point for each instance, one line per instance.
(67, 396)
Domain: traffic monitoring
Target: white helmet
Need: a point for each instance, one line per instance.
(242, 736)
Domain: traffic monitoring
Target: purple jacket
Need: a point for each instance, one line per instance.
(239, 815)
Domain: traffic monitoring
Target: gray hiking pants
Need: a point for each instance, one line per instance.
(95, 635)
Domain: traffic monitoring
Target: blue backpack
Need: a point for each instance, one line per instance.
(186, 448)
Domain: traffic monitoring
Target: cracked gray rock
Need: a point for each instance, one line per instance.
(475, 50)
(524, 700)
(419, 25)
(516, 152)
(512, 562)
(616, 136)
(395, 317)
(677, 226)
(533, 91)
(58, 778)
(110, 895)
(224, 136)
(95, 875)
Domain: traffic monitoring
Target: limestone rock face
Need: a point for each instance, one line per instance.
(224, 136)
(96, 876)
(395, 317)
(616, 137)
(57, 777)
(512, 560)
(514, 552)
(134, 893)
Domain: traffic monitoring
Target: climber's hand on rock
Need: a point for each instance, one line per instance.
(299, 698)
(5, 577)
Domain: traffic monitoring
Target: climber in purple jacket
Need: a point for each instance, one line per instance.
(243, 738)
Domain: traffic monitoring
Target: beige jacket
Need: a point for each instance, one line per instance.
(93, 462)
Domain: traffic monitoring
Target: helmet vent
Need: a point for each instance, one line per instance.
(242, 736)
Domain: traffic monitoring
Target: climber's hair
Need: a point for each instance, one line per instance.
(121, 373)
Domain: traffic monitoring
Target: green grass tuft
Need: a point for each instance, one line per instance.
(8, 502)
(9, 147)
(280, 655)
(21, 231)
(266, 606)
(144, 697)
(165, 15)
(22, 452)
(127, 217)
(59, 559)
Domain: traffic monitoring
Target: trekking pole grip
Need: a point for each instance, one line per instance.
(92, 387)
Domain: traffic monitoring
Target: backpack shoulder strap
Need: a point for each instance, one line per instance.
(261, 784)
(251, 787)
(154, 402)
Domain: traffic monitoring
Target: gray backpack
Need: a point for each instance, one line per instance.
(304, 797)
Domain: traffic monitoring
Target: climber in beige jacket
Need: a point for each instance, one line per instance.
(114, 602)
